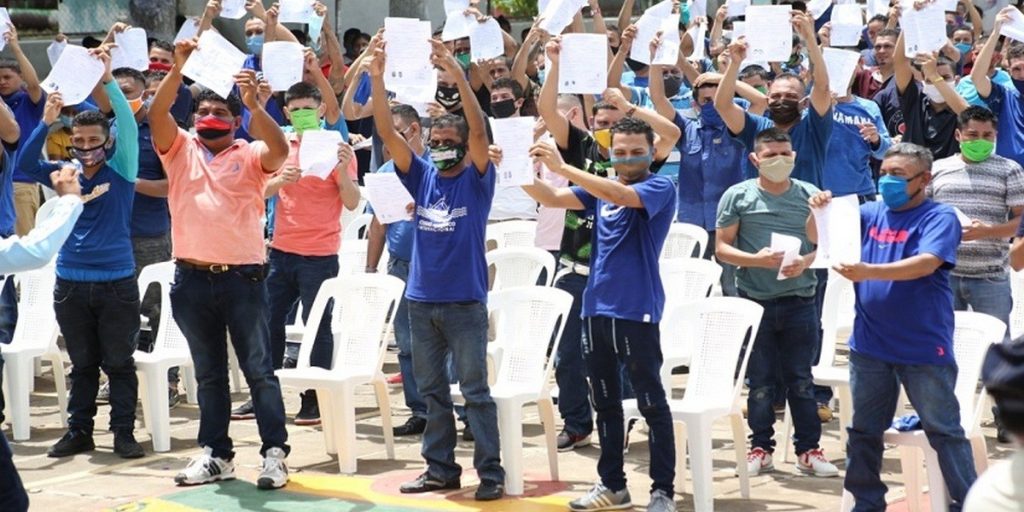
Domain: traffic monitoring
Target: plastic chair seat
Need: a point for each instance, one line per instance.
(831, 375)
(315, 376)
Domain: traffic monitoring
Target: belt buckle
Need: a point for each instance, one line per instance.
(219, 269)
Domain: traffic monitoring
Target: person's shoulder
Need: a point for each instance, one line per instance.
(950, 163)
(805, 188)
(936, 210)
(742, 188)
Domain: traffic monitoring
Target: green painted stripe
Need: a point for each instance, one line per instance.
(238, 495)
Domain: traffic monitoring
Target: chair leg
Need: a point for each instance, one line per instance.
(910, 463)
(680, 434)
(236, 372)
(20, 371)
(847, 504)
(327, 422)
(158, 414)
(980, 453)
(57, 365)
(939, 498)
(845, 412)
(384, 403)
(343, 401)
(547, 416)
(510, 431)
(739, 441)
(701, 465)
(191, 384)
(787, 434)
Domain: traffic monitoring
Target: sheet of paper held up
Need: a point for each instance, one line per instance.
(737, 7)
(455, 5)
(769, 33)
(390, 199)
(697, 34)
(318, 152)
(54, 50)
(924, 31)
(74, 75)
(876, 7)
(5, 18)
(647, 28)
(232, 9)
(841, 65)
(282, 64)
(132, 50)
(847, 23)
(486, 40)
(559, 14)
(408, 51)
(838, 226)
(188, 29)
(457, 26)
(514, 136)
(818, 7)
(296, 11)
(698, 8)
(789, 246)
(214, 63)
(668, 50)
(580, 70)
(1014, 29)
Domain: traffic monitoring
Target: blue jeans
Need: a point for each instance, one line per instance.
(460, 328)
(13, 497)
(293, 278)
(611, 342)
(875, 385)
(403, 337)
(785, 340)
(570, 367)
(100, 323)
(984, 295)
(207, 307)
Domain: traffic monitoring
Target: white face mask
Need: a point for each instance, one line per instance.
(777, 168)
(933, 93)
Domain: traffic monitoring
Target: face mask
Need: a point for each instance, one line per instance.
(541, 75)
(148, 102)
(603, 138)
(255, 44)
(90, 157)
(504, 108)
(446, 157)
(463, 59)
(159, 66)
(933, 93)
(212, 127)
(709, 117)
(635, 65)
(305, 119)
(136, 104)
(66, 121)
(684, 15)
(977, 150)
(777, 168)
(448, 97)
(672, 85)
(964, 48)
(784, 111)
(762, 89)
(644, 160)
(894, 190)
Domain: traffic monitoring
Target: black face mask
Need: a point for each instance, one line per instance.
(784, 111)
(615, 49)
(448, 97)
(672, 85)
(635, 65)
(503, 109)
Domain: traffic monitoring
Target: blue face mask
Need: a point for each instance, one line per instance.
(894, 190)
(541, 75)
(66, 121)
(255, 44)
(709, 117)
(964, 48)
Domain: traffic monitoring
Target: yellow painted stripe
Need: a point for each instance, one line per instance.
(152, 505)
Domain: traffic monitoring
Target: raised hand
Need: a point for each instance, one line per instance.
(182, 51)
(248, 87)
(65, 181)
(51, 112)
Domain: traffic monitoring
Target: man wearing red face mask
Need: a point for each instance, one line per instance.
(215, 194)
(161, 57)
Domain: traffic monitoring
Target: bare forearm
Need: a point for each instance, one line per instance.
(375, 246)
(728, 253)
(263, 127)
(907, 269)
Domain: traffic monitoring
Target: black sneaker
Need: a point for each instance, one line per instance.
(126, 446)
(427, 483)
(467, 433)
(489, 490)
(173, 397)
(414, 426)
(309, 411)
(73, 443)
(568, 441)
(244, 411)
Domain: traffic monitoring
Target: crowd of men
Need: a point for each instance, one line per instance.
(931, 146)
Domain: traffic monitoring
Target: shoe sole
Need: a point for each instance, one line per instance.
(307, 423)
(267, 484)
(70, 454)
(621, 506)
(236, 417)
(578, 444)
(489, 498)
(446, 487)
(765, 469)
(131, 455)
(218, 478)
(811, 472)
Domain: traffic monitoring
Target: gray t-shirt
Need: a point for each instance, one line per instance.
(760, 214)
(985, 191)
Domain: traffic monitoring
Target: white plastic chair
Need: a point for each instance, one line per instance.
(718, 326)
(973, 334)
(512, 233)
(1017, 314)
(34, 336)
(348, 215)
(361, 304)
(682, 239)
(45, 209)
(520, 266)
(526, 319)
(685, 280)
(361, 222)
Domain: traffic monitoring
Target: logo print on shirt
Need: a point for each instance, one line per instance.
(941, 351)
(439, 217)
(887, 236)
(609, 210)
(97, 191)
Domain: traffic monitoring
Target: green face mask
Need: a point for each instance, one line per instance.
(977, 150)
(762, 89)
(304, 119)
(463, 59)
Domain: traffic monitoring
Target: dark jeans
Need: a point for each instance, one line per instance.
(13, 497)
(100, 324)
(8, 317)
(570, 367)
(875, 385)
(207, 307)
(149, 250)
(984, 295)
(610, 342)
(460, 328)
(786, 339)
(292, 278)
(403, 338)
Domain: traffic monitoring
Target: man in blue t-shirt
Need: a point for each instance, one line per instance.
(908, 247)
(447, 286)
(1004, 100)
(633, 214)
(20, 90)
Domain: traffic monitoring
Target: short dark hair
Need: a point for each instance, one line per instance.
(406, 113)
(631, 126)
(351, 33)
(508, 83)
(11, 65)
(601, 105)
(452, 121)
(1015, 52)
(888, 32)
(92, 118)
(503, 22)
(976, 113)
(878, 17)
(132, 73)
(790, 76)
(772, 134)
(613, 27)
(161, 44)
(232, 102)
(302, 91)
(154, 75)
(752, 71)
(942, 60)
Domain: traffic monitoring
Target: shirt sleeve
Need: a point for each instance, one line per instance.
(126, 153)
(1015, 185)
(940, 236)
(414, 175)
(727, 213)
(820, 128)
(752, 125)
(40, 245)
(589, 201)
(884, 140)
(27, 160)
(656, 193)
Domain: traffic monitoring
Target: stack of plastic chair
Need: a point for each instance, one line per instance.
(358, 227)
(1017, 314)
(347, 216)
(684, 240)
(512, 233)
(360, 307)
(973, 334)
(34, 336)
(526, 320)
(520, 266)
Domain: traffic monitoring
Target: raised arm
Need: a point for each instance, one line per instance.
(348, 191)
(261, 125)
(162, 124)
(625, 15)
(611, 191)
(666, 132)
(521, 63)
(126, 152)
(10, 132)
(617, 64)
(478, 140)
(716, 29)
(332, 47)
(547, 104)
(28, 71)
(210, 13)
(954, 101)
(901, 66)
(976, 23)
(733, 116)
(27, 158)
(332, 110)
(821, 100)
(662, 106)
(979, 74)
(399, 148)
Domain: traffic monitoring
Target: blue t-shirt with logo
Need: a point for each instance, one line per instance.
(150, 215)
(849, 155)
(907, 322)
(810, 141)
(448, 262)
(625, 282)
(1006, 103)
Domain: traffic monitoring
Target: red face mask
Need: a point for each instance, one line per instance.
(212, 127)
(159, 66)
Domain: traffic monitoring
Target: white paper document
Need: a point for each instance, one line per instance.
(698, 8)
(647, 28)
(668, 50)
(847, 23)
(838, 226)
(366, 143)
(841, 65)
(697, 34)
(455, 6)
(296, 11)
(559, 14)
(486, 40)
(54, 50)
(583, 70)
(318, 152)
(947, 5)
(789, 247)
(5, 18)
(769, 33)
(878, 7)
(214, 63)
(1014, 29)
(514, 136)
(390, 200)
(408, 53)
(132, 50)
(232, 9)
(737, 7)
(818, 7)
(739, 29)
(924, 31)
(74, 75)
(661, 10)
(282, 64)
(457, 26)
(188, 29)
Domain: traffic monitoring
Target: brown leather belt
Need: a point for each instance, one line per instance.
(213, 268)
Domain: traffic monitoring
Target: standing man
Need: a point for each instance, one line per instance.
(447, 286)
(19, 87)
(1004, 100)
(215, 193)
(635, 211)
(908, 248)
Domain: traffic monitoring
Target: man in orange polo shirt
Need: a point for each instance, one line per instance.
(215, 193)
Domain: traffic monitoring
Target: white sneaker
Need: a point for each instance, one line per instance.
(759, 461)
(274, 474)
(206, 468)
(813, 462)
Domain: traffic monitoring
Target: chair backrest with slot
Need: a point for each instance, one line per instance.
(719, 327)
(527, 320)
